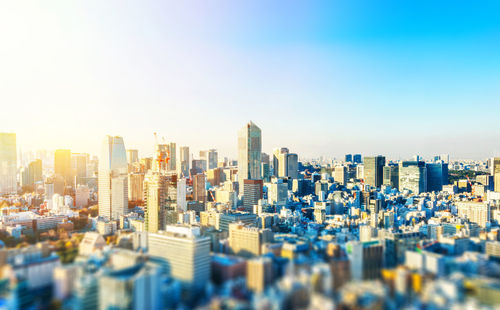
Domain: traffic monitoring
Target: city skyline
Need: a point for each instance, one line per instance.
(394, 79)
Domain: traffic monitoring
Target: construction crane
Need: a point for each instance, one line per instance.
(163, 156)
(470, 183)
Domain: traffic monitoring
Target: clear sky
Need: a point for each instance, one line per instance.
(322, 78)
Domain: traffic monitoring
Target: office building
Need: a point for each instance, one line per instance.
(247, 241)
(184, 161)
(160, 191)
(413, 176)
(475, 212)
(136, 186)
(495, 169)
(225, 219)
(259, 273)
(249, 153)
(188, 256)
(357, 159)
(35, 172)
(211, 158)
(199, 188)
(79, 163)
(341, 175)
(135, 287)
(277, 192)
(266, 167)
(348, 158)
(252, 192)
(113, 178)
(8, 163)
(437, 176)
(374, 170)
(285, 164)
(391, 176)
(365, 259)
(132, 156)
(62, 165)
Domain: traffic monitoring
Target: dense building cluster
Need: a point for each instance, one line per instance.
(265, 231)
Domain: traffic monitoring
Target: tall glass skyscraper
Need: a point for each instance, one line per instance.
(249, 153)
(8, 163)
(113, 180)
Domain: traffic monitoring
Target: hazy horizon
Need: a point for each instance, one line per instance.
(324, 78)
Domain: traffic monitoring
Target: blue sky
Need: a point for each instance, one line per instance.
(322, 78)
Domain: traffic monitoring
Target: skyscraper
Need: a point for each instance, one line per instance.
(249, 153)
(186, 253)
(357, 159)
(160, 191)
(132, 156)
(413, 176)
(62, 165)
(172, 163)
(113, 180)
(266, 168)
(79, 166)
(8, 163)
(210, 157)
(292, 167)
(199, 188)
(437, 176)
(495, 169)
(35, 171)
(391, 175)
(280, 161)
(252, 192)
(184, 161)
(373, 170)
(285, 164)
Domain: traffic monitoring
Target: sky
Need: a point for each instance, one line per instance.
(319, 77)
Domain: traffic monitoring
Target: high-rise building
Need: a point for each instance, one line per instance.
(160, 191)
(340, 174)
(35, 172)
(132, 156)
(181, 195)
(348, 158)
(136, 186)
(113, 179)
(160, 195)
(285, 164)
(266, 167)
(199, 188)
(437, 176)
(373, 170)
(252, 192)
(277, 192)
(357, 159)
(495, 168)
(172, 163)
(247, 241)
(391, 176)
(184, 161)
(62, 165)
(259, 273)
(292, 170)
(413, 176)
(475, 212)
(135, 287)
(79, 167)
(210, 157)
(366, 259)
(249, 153)
(186, 254)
